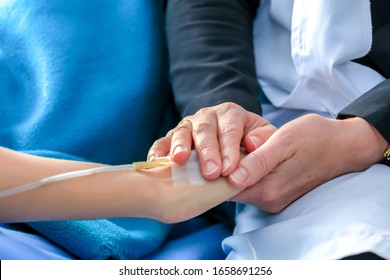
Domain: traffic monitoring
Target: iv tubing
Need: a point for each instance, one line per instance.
(64, 176)
(158, 162)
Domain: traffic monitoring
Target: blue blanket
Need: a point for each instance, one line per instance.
(86, 80)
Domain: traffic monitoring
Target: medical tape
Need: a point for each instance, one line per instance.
(187, 174)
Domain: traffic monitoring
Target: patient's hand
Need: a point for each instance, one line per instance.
(178, 203)
(128, 193)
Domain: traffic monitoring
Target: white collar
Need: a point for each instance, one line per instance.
(304, 49)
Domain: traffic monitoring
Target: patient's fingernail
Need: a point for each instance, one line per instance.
(152, 157)
(239, 176)
(178, 150)
(255, 141)
(210, 167)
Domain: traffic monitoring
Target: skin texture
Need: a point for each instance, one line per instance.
(149, 193)
(281, 165)
(217, 133)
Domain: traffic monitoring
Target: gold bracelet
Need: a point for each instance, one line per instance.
(386, 154)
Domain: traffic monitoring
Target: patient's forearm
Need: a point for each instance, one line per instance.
(106, 194)
(115, 194)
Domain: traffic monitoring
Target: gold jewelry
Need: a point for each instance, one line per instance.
(386, 154)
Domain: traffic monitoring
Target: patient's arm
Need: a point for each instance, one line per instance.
(149, 193)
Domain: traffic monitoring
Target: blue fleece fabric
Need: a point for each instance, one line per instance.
(81, 77)
(86, 80)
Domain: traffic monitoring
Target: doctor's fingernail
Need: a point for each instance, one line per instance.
(255, 141)
(225, 165)
(239, 176)
(178, 150)
(210, 167)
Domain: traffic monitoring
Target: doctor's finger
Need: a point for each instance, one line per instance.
(262, 161)
(205, 137)
(181, 141)
(233, 123)
(160, 147)
(258, 136)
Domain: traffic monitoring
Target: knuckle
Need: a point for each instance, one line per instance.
(313, 116)
(266, 195)
(204, 111)
(230, 127)
(286, 138)
(169, 133)
(230, 106)
(202, 127)
(208, 150)
(159, 148)
(186, 122)
(271, 129)
(272, 208)
(259, 161)
(271, 200)
(182, 129)
(231, 109)
(160, 143)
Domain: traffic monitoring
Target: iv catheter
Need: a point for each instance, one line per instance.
(142, 165)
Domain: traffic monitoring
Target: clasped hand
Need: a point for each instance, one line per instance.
(280, 165)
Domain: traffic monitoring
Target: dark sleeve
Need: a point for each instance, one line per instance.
(211, 53)
(374, 107)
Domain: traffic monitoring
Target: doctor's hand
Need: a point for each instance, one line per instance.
(303, 154)
(217, 134)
